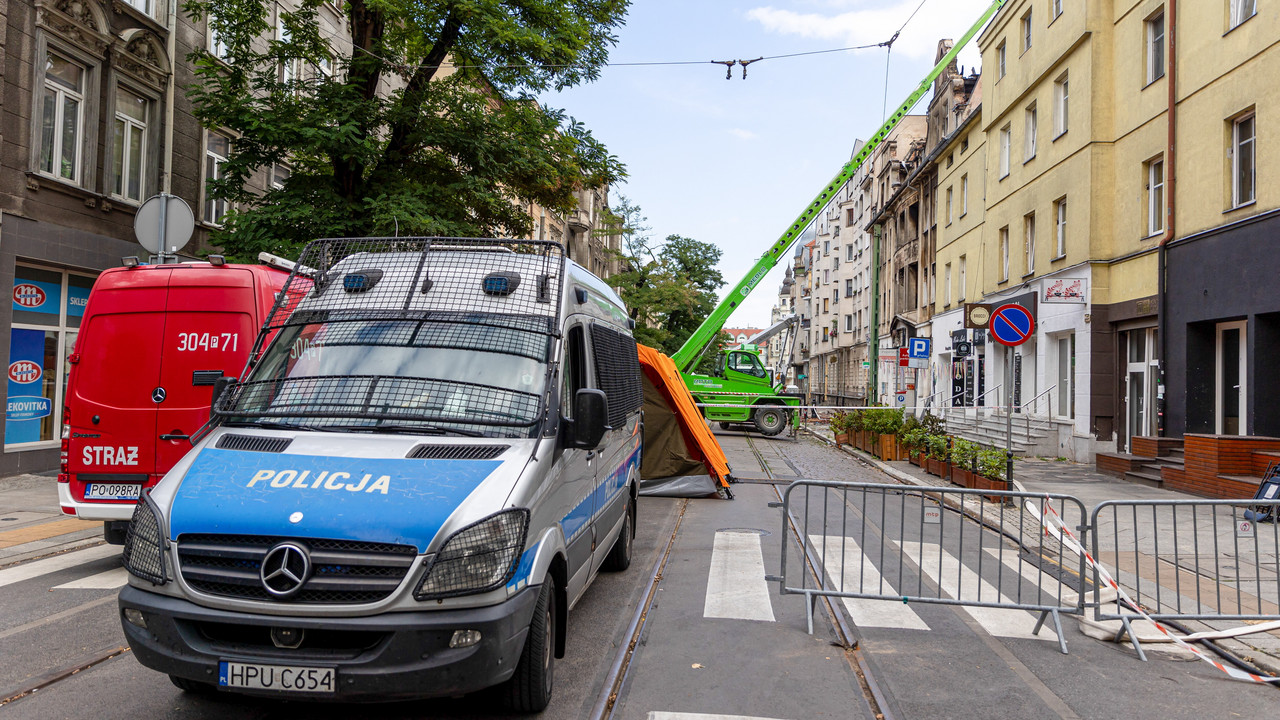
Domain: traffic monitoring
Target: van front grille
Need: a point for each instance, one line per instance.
(254, 443)
(343, 572)
(457, 452)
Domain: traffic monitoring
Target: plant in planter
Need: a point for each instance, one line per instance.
(991, 471)
(856, 424)
(884, 424)
(964, 456)
(840, 428)
(937, 447)
(913, 441)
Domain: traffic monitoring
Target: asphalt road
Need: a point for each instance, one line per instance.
(718, 641)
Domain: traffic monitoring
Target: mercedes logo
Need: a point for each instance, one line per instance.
(158, 395)
(285, 569)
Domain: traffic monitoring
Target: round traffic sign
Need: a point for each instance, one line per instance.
(1012, 325)
(164, 224)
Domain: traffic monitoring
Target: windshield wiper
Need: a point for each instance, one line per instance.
(413, 429)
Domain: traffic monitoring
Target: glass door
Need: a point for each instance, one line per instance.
(1140, 385)
(1230, 378)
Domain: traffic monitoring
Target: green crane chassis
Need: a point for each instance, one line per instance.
(749, 389)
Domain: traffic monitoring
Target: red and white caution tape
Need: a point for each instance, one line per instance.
(1058, 529)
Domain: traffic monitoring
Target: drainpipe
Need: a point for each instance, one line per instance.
(1162, 256)
(171, 44)
(873, 387)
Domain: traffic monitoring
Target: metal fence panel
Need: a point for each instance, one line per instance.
(942, 545)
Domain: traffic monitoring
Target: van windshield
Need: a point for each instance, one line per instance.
(473, 373)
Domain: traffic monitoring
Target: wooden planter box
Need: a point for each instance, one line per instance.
(916, 459)
(937, 467)
(842, 439)
(889, 449)
(961, 476)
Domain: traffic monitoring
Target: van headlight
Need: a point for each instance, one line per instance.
(144, 544)
(478, 558)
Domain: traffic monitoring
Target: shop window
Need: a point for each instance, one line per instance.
(47, 307)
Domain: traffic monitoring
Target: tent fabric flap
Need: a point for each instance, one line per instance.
(680, 453)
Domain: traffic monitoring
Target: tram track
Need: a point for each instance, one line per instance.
(844, 629)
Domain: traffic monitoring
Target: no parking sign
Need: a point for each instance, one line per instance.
(1011, 325)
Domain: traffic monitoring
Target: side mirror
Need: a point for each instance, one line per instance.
(590, 415)
(220, 386)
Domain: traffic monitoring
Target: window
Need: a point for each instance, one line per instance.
(964, 194)
(1061, 93)
(848, 287)
(1001, 54)
(826, 277)
(848, 253)
(1029, 225)
(1242, 10)
(1006, 138)
(279, 175)
(288, 66)
(962, 286)
(848, 323)
(1155, 47)
(129, 148)
(1004, 254)
(1155, 196)
(62, 118)
(1056, 6)
(826, 247)
(217, 43)
(1242, 159)
(964, 144)
(217, 150)
(143, 5)
(47, 307)
(949, 214)
(835, 296)
(825, 307)
(933, 282)
(1060, 210)
(1026, 30)
(1031, 132)
(947, 275)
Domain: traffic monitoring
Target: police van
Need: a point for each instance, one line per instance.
(414, 481)
(178, 327)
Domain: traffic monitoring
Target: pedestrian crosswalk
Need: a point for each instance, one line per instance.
(736, 588)
(57, 563)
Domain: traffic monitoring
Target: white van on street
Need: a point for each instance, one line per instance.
(419, 474)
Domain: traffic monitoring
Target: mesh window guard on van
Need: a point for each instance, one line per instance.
(618, 372)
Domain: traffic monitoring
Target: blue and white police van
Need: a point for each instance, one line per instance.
(422, 469)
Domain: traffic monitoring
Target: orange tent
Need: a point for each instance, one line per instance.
(678, 445)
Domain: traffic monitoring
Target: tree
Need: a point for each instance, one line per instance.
(669, 288)
(428, 127)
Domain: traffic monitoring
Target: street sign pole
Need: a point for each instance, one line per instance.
(1008, 421)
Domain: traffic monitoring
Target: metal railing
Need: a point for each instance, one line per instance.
(875, 542)
(1188, 560)
(1028, 409)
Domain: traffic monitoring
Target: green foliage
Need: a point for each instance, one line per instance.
(884, 421)
(964, 453)
(914, 439)
(458, 146)
(991, 463)
(933, 424)
(937, 446)
(669, 287)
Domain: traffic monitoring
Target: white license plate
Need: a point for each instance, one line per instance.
(112, 491)
(285, 678)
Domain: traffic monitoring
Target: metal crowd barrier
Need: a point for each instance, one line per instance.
(1189, 559)
(916, 545)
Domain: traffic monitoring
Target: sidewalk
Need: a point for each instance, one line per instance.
(1092, 488)
(32, 526)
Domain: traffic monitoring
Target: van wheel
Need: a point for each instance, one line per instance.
(770, 420)
(619, 557)
(725, 425)
(191, 686)
(529, 689)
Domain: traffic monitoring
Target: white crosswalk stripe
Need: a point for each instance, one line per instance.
(736, 587)
(860, 575)
(56, 563)
(108, 580)
(699, 716)
(1050, 592)
(963, 583)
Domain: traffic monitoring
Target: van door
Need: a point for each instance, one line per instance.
(113, 418)
(210, 323)
(577, 466)
(618, 374)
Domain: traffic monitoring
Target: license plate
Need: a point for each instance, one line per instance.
(112, 491)
(285, 678)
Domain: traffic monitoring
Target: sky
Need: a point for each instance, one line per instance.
(734, 162)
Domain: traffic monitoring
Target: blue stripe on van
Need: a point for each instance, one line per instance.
(403, 501)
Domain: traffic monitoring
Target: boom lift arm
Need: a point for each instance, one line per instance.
(687, 356)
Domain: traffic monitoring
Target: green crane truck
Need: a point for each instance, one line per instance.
(741, 379)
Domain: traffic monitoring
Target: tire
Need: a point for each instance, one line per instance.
(529, 689)
(770, 420)
(725, 425)
(619, 557)
(191, 686)
(114, 531)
